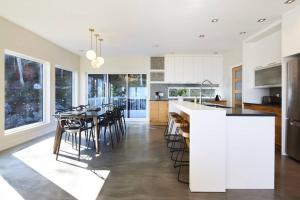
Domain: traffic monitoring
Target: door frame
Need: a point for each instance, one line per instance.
(233, 81)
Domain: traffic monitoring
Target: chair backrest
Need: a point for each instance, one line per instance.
(72, 122)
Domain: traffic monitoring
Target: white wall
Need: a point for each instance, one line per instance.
(256, 54)
(231, 59)
(291, 32)
(119, 65)
(18, 39)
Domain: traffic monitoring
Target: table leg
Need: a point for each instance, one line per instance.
(57, 137)
(97, 134)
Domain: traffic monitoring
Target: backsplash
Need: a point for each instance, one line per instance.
(164, 89)
(275, 91)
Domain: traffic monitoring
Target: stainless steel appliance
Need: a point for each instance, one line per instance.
(293, 112)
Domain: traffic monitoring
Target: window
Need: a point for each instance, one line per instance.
(23, 91)
(96, 89)
(63, 89)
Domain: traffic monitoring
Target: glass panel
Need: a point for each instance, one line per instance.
(137, 95)
(208, 93)
(117, 93)
(96, 89)
(63, 89)
(172, 92)
(269, 76)
(195, 92)
(23, 92)
(238, 86)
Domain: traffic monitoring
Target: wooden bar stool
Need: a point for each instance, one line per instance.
(169, 127)
(179, 124)
(185, 135)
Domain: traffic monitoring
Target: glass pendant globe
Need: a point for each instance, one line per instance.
(100, 60)
(91, 54)
(94, 63)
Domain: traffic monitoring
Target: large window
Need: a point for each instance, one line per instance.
(96, 89)
(63, 89)
(23, 91)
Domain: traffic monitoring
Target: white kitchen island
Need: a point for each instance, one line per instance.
(229, 148)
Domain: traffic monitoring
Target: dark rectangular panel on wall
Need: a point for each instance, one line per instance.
(157, 63)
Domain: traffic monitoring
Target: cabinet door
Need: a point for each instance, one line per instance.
(154, 107)
(169, 69)
(188, 69)
(198, 67)
(163, 111)
(178, 69)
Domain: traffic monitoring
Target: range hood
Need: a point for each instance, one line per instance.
(268, 77)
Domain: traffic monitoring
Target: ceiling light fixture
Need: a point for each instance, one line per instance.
(91, 54)
(202, 36)
(243, 33)
(100, 59)
(289, 1)
(94, 62)
(214, 20)
(262, 20)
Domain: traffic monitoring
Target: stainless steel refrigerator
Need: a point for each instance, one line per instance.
(293, 113)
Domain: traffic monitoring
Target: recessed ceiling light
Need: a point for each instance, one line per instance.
(243, 33)
(215, 20)
(289, 1)
(202, 36)
(262, 20)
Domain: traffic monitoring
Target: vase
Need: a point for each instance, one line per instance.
(180, 99)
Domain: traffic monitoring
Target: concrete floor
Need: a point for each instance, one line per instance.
(140, 168)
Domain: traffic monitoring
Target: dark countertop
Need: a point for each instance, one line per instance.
(268, 105)
(159, 99)
(246, 112)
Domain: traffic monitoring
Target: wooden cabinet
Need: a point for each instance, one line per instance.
(221, 102)
(193, 69)
(270, 109)
(159, 112)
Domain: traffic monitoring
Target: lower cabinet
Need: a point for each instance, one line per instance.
(270, 109)
(159, 112)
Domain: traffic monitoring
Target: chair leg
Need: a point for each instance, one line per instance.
(111, 137)
(104, 135)
(79, 143)
(180, 165)
(117, 131)
(58, 148)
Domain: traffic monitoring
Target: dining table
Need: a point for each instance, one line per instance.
(90, 114)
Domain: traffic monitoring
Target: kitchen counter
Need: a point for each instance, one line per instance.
(226, 147)
(260, 104)
(246, 112)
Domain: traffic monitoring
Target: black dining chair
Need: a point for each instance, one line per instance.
(72, 125)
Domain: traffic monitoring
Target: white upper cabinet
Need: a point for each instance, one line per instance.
(193, 69)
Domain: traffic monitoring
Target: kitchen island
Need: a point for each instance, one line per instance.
(229, 148)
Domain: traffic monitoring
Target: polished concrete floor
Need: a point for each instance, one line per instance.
(140, 168)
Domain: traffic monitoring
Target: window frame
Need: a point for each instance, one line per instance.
(74, 84)
(46, 94)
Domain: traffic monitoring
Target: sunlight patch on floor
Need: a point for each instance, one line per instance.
(7, 191)
(71, 175)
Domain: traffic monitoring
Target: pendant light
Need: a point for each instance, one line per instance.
(100, 59)
(94, 62)
(91, 54)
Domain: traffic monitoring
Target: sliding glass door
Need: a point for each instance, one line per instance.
(137, 95)
(97, 89)
(127, 90)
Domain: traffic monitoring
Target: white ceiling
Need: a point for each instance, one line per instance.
(132, 27)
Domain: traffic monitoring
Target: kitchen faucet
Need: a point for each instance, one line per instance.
(201, 86)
